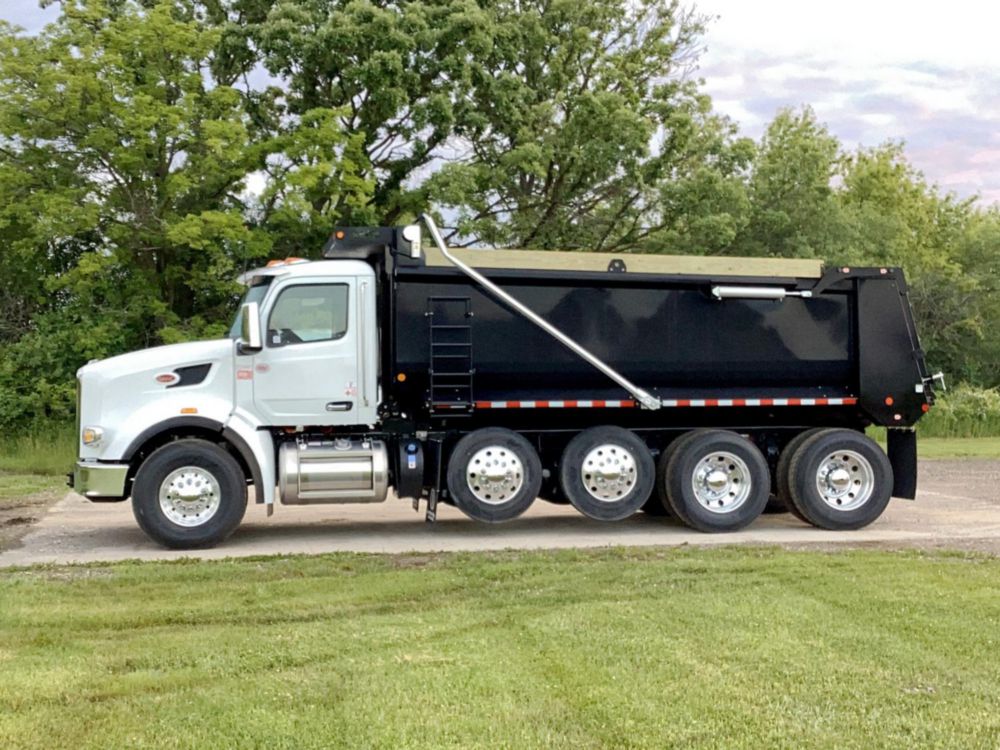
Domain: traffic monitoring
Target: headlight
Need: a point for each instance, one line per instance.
(92, 435)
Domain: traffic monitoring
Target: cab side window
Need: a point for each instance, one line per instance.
(308, 313)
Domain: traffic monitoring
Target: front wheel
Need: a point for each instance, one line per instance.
(189, 494)
(839, 480)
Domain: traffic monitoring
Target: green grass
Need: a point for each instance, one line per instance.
(641, 648)
(985, 447)
(51, 451)
(938, 447)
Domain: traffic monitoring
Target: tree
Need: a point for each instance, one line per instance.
(123, 167)
(585, 121)
(397, 74)
(793, 210)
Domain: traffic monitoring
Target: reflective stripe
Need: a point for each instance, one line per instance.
(668, 403)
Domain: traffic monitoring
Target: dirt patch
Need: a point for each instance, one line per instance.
(17, 516)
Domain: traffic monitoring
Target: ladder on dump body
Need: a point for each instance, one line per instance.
(451, 369)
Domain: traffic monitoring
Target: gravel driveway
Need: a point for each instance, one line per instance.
(958, 507)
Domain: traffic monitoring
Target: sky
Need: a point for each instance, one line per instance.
(926, 73)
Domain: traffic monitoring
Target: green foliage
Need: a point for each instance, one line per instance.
(49, 449)
(397, 74)
(587, 132)
(793, 207)
(965, 411)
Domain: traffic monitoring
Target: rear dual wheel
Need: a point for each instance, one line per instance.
(494, 475)
(837, 479)
(714, 480)
(607, 473)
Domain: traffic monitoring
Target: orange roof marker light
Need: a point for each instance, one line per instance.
(286, 262)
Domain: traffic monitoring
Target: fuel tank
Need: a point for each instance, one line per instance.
(333, 471)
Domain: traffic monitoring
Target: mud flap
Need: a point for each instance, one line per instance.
(902, 450)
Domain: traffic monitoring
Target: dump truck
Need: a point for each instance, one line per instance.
(396, 368)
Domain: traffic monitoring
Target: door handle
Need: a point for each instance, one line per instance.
(339, 405)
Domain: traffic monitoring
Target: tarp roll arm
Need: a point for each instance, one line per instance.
(645, 399)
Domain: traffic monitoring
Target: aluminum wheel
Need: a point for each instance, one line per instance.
(190, 496)
(608, 472)
(494, 474)
(845, 480)
(721, 482)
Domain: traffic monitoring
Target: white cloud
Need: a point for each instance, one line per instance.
(873, 71)
(957, 34)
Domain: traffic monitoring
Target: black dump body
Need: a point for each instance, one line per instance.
(848, 355)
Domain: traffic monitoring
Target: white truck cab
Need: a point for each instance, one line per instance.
(316, 364)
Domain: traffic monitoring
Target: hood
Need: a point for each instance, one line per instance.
(167, 358)
(125, 394)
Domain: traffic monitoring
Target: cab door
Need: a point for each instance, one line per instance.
(316, 366)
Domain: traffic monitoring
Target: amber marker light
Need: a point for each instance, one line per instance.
(401, 377)
(888, 401)
(189, 410)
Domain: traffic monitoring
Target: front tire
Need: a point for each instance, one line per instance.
(494, 475)
(840, 480)
(189, 494)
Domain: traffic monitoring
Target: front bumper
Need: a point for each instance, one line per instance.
(100, 481)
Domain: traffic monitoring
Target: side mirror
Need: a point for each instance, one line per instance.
(250, 336)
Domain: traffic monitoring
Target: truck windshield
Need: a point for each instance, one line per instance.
(256, 294)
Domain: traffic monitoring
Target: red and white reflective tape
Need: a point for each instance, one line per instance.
(622, 404)
(668, 403)
(847, 401)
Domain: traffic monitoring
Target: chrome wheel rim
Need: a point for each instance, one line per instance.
(190, 496)
(721, 482)
(608, 472)
(845, 480)
(494, 474)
